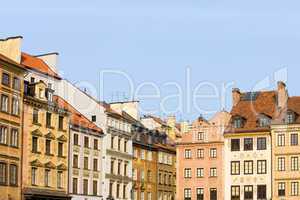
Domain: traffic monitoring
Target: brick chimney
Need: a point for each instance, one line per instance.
(236, 96)
(51, 59)
(282, 94)
(11, 48)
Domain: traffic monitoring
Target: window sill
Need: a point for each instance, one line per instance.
(36, 123)
(36, 152)
(49, 154)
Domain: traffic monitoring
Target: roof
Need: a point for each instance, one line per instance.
(76, 117)
(293, 104)
(251, 106)
(37, 64)
(10, 61)
(157, 120)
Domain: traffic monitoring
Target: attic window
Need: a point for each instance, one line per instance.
(249, 96)
(238, 122)
(264, 121)
(290, 118)
(93, 118)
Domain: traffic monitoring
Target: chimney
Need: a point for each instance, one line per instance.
(51, 59)
(236, 96)
(11, 48)
(282, 94)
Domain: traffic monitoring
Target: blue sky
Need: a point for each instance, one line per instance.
(239, 42)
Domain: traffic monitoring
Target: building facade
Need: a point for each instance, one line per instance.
(248, 161)
(200, 158)
(166, 171)
(286, 148)
(11, 109)
(144, 170)
(85, 153)
(45, 146)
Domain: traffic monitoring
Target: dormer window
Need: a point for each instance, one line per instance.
(238, 122)
(290, 117)
(264, 121)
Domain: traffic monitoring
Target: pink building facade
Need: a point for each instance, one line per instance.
(200, 155)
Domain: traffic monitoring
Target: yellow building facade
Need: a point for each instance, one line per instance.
(11, 98)
(45, 146)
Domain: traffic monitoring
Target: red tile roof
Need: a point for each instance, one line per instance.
(76, 117)
(264, 103)
(37, 64)
(293, 104)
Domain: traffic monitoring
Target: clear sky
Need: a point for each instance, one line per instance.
(221, 42)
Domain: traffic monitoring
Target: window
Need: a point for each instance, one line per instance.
(261, 143)
(142, 154)
(149, 176)
(86, 163)
(261, 192)
(119, 144)
(142, 174)
(187, 173)
(34, 144)
(294, 163)
(200, 172)
(60, 122)
(125, 147)
(3, 135)
(248, 192)
(142, 196)
(235, 167)
(118, 190)
(60, 149)
(75, 139)
(235, 192)
(75, 185)
(86, 142)
(35, 116)
(60, 179)
(200, 193)
(200, 153)
(13, 175)
(264, 121)
(280, 140)
(95, 164)
(95, 188)
(3, 173)
(14, 137)
(110, 188)
(112, 142)
(213, 172)
(33, 175)
(125, 196)
(235, 144)
(94, 119)
(294, 139)
(149, 156)
(289, 118)
(261, 166)
(213, 194)
(15, 106)
(125, 169)
(248, 144)
(85, 186)
(294, 188)
(48, 119)
(248, 167)
(187, 194)
(134, 174)
(187, 153)
(200, 136)
(75, 161)
(112, 163)
(48, 147)
(281, 189)
(5, 79)
(119, 168)
(213, 152)
(95, 144)
(47, 177)
(4, 103)
(16, 83)
(281, 164)
(32, 80)
(238, 123)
